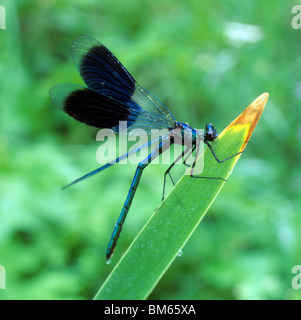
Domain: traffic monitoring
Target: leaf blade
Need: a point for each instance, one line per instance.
(170, 227)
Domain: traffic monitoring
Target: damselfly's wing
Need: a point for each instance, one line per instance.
(111, 95)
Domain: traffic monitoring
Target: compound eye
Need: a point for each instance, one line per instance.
(210, 132)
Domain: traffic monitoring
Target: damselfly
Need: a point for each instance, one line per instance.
(112, 95)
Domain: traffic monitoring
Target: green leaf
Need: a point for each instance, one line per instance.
(172, 224)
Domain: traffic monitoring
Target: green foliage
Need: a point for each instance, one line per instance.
(52, 242)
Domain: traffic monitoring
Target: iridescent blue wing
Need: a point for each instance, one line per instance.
(111, 95)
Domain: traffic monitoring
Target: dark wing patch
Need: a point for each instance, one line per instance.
(91, 107)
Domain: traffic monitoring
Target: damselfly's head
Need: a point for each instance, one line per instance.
(210, 132)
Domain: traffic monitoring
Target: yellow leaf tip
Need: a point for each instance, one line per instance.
(253, 112)
(264, 96)
(260, 102)
(250, 116)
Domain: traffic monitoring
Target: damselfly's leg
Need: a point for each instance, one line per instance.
(167, 172)
(217, 159)
(215, 156)
(188, 155)
(193, 166)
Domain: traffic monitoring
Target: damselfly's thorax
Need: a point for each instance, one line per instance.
(184, 134)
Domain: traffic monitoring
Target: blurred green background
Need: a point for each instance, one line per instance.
(206, 61)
